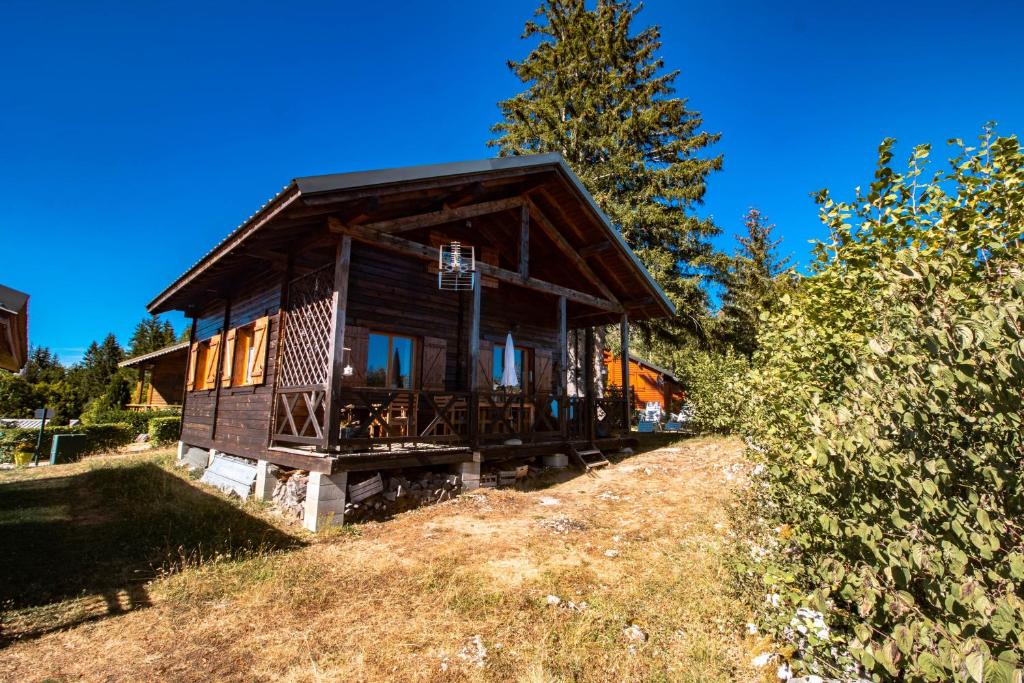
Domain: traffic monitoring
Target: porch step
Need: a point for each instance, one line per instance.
(588, 459)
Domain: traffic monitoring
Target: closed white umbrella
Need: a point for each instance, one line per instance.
(508, 376)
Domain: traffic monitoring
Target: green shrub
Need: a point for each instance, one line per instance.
(164, 430)
(715, 387)
(95, 414)
(100, 438)
(887, 415)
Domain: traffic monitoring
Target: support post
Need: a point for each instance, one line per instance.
(184, 381)
(626, 401)
(336, 351)
(474, 362)
(325, 500)
(524, 242)
(588, 381)
(563, 368)
(220, 365)
(265, 481)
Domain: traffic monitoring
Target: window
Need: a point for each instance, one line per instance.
(204, 364)
(389, 361)
(498, 365)
(241, 373)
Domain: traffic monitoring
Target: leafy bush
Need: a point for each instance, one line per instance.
(139, 422)
(888, 420)
(164, 430)
(715, 385)
(100, 438)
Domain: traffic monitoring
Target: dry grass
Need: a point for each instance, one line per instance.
(403, 600)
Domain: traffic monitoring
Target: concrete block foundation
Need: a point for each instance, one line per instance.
(325, 500)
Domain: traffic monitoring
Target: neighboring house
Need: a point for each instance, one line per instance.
(648, 382)
(13, 329)
(322, 341)
(161, 383)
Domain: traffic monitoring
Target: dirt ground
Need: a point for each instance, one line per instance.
(618, 575)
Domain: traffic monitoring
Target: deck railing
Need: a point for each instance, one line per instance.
(379, 416)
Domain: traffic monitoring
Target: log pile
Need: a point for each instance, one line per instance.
(404, 492)
(290, 492)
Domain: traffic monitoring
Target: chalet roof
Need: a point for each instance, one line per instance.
(152, 355)
(304, 196)
(652, 366)
(11, 300)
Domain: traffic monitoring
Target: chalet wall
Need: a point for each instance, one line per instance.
(392, 293)
(243, 413)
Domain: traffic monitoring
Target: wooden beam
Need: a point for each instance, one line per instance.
(425, 220)
(474, 362)
(590, 413)
(563, 367)
(220, 364)
(596, 248)
(627, 403)
(428, 253)
(556, 236)
(336, 348)
(524, 242)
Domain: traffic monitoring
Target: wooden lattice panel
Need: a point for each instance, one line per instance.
(306, 355)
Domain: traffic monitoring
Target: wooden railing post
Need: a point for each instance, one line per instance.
(590, 413)
(474, 363)
(336, 354)
(626, 400)
(563, 369)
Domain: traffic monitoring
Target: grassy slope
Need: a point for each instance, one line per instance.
(391, 601)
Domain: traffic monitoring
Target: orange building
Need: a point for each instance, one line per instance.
(648, 382)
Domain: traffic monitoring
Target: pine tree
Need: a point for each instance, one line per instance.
(598, 94)
(43, 366)
(100, 364)
(151, 334)
(752, 282)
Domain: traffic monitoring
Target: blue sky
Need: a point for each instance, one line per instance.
(136, 135)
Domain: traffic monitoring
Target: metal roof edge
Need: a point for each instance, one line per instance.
(128, 362)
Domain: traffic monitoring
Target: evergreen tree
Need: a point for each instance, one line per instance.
(753, 280)
(151, 334)
(43, 366)
(597, 93)
(100, 364)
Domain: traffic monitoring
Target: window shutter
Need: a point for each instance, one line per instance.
(260, 333)
(212, 357)
(485, 367)
(358, 340)
(229, 359)
(542, 371)
(434, 361)
(190, 375)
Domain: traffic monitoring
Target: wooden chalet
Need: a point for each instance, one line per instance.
(648, 383)
(321, 340)
(161, 382)
(13, 329)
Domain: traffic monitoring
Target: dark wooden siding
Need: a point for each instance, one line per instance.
(243, 413)
(391, 293)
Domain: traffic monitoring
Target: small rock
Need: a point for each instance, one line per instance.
(142, 438)
(474, 652)
(549, 501)
(761, 660)
(554, 600)
(611, 553)
(751, 629)
(635, 633)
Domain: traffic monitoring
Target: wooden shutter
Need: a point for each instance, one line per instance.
(435, 356)
(212, 356)
(542, 371)
(260, 333)
(358, 340)
(229, 358)
(190, 374)
(485, 367)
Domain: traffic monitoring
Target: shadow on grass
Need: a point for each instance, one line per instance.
(82, 547)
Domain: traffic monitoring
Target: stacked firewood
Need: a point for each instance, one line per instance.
(290, 492)
(402, 492)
